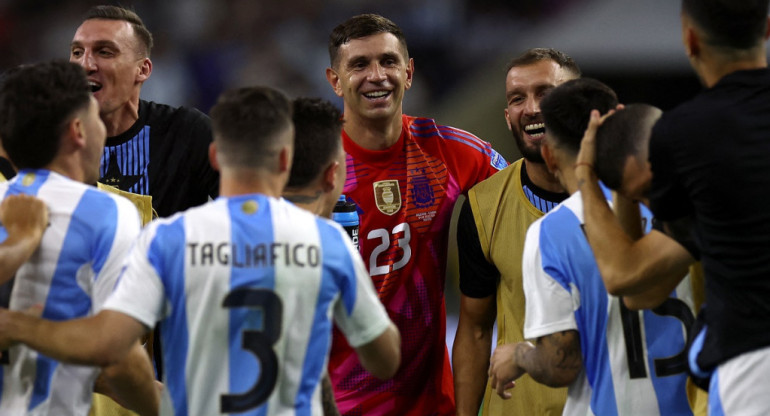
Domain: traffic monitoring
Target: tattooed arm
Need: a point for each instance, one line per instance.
(555, 360)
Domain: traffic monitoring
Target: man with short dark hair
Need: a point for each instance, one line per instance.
(318, 171)
(51, 130)
(155, 154)
(245, 287)
(713, 143)
(404, 174)
(490, 234)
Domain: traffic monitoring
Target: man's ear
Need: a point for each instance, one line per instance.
(329, 178)
(284, 159)
(508, 119)
(334, 81)
(692, 42)
(549, 157)
(75, 134)
(213, 156)
(409, 73)
(145, 69)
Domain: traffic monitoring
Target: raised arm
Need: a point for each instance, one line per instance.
(25, 218)
(554, 360)
(628, 266)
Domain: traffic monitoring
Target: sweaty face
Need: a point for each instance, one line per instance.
(96, 134)
(371, 76)
(525, 87)
(108, 50)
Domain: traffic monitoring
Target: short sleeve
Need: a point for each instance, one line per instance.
(139, 292)
(549, 305)
(359, 314)
(478, 277)
(124, 225)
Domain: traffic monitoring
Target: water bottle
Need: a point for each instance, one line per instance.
(345, 214)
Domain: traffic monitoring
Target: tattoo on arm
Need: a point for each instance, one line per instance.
(556, 359)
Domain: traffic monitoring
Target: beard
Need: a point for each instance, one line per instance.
(529, 151)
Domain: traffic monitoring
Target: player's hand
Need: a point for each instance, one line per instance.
(503, 369)
(587, 154)
(25, 217)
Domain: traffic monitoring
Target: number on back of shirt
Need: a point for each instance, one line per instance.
(632, 334)
(260, 343)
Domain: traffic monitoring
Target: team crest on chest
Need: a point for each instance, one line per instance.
(388, 196)
(422, 191)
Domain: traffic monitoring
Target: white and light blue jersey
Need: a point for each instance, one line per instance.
(634, 362)
(71, 274)
(246, 290)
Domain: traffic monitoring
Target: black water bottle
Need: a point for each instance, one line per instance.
(345, 214)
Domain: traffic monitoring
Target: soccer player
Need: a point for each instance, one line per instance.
(50, 126)
(317, 175)
(615, 361)
(245, 286)
(24, 219)
(699, 151)
(318, 168)
(491, 228)
(405, 174)
(156, 154)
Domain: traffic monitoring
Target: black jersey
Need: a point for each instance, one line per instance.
(711, 163)
(164, 154)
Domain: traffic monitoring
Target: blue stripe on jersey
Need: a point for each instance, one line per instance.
(168, 243)
(18, 185)
(715, 401)
(692, 355)
(591, 322)
(249, 230)
(94, 204)
(132, 159)
(666, 341)
(448, 137)
(66, 299)
(335, 257)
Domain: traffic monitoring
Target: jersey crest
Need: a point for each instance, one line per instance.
(388, 196)
(422, 191)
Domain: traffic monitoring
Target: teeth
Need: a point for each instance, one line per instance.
(534, 126)
(95, 86)
(376, 94)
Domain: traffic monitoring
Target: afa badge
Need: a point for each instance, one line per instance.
(387, 195)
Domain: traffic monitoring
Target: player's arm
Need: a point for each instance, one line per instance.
(382, 356)
(25, 218)
(470, 353)
(101, 340)
(473, 339)
(131, 382)
(554, 360)
(627, 266)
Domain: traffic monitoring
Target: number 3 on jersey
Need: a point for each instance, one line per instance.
(402, 234)
(260, 343)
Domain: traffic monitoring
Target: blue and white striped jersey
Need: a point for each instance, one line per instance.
(246, 289)
(71, 274)
(633, 361)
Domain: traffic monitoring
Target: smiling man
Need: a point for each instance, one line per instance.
(492, 225)
(155, 152)
(405, 174)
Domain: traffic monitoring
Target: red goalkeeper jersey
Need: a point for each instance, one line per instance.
(405, 196)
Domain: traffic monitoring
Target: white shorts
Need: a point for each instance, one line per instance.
(741, 386)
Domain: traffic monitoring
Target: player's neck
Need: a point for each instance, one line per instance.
(717, 67)
(373, 134)
(567, 176)
(235, 182)
(120, 120)
(540, 176)
(307, 199)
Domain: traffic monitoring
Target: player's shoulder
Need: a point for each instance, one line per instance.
(164, 117)
(500, 181)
